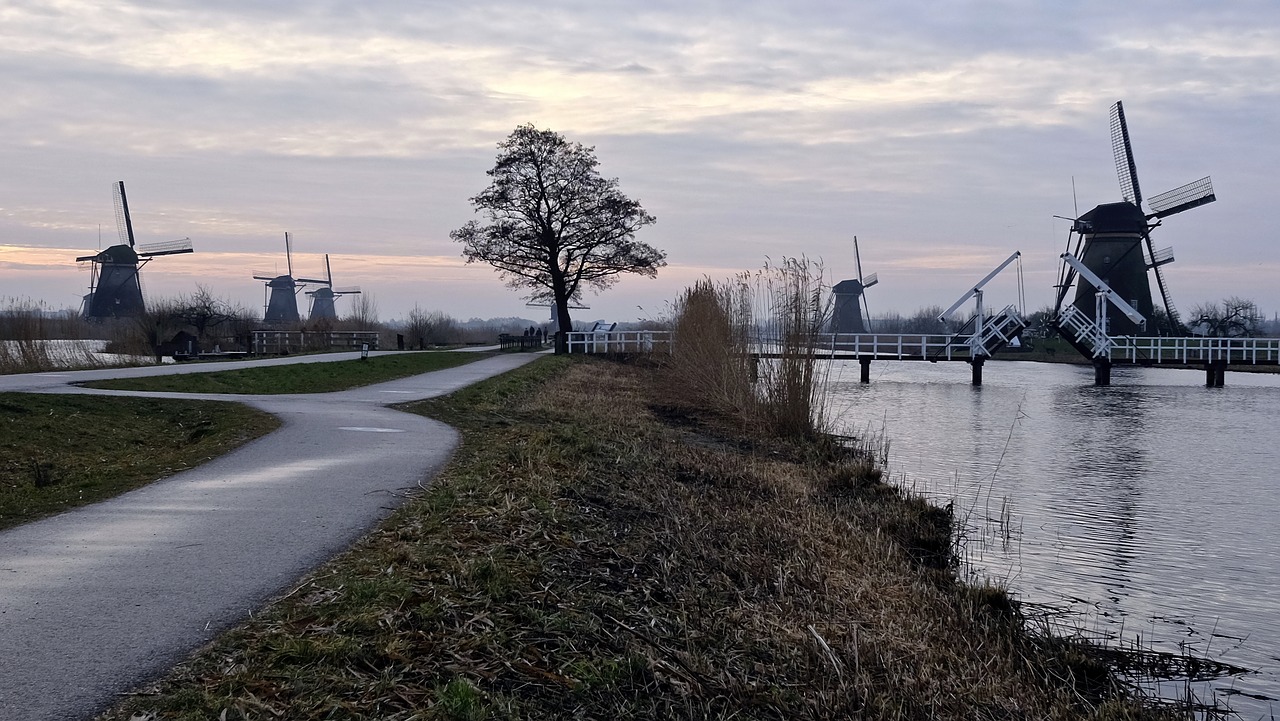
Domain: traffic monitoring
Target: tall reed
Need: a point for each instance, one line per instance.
(35, 338)
(748, 346)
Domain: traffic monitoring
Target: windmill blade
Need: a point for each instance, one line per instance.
(857, 260)
(1175, 321)
(263, 275)
(288, 251)
(328, 272)
(1192, 195)
(1157, 259)
(316, 281)
(346, 290)
(870, 281)
(1123, 149)
(170, 247)
(124, 224)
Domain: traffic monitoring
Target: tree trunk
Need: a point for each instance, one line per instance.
(564, 324)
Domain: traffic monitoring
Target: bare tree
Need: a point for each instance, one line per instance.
(202, 311)
(554, 225)
(1233, 317)
(434, 328)
(364, 311)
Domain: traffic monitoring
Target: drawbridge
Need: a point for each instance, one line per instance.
(1090, 336)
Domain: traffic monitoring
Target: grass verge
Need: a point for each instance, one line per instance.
(63, 451)
(298, 377)
(601, 548)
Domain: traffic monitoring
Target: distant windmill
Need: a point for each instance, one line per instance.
(847, 315)
(322, 298)
(554, 323)
(115, 290)
(1112, 237)
(282, 302)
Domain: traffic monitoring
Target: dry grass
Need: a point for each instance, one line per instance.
(25, 329)
(600, 547)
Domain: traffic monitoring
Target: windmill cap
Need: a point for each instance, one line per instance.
(1115, 218)
(121, 254)
(847, 286)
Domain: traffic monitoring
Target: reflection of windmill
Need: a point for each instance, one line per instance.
(282, 303)
(847, 316)
(115, 290)
(1112, 238)
(554, 324)
(322, 298)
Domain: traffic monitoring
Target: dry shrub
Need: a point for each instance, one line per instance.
(33, 338)
(748, 347)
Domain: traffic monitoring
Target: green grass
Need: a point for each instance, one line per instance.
(63, 451)
(299, 377)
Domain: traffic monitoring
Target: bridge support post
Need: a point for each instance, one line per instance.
(975, 364)
(755, 368)
(1102, 371)
(1215, 374)
(864, 375)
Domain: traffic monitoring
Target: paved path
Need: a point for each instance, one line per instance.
(97, 600)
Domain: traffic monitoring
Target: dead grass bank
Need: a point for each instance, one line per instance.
(601, 548)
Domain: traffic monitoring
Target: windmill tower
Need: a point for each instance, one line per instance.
(1114, 241)
(553, 325)
(115, 289)
(847, 315)
(282, 290)
(322, 298)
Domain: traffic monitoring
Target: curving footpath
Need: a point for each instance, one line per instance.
(100, 599)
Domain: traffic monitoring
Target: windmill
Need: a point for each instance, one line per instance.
(553, 325)
(1114, 241)
(850, 302)
(282, 302)
(322, 298)
(115, 290)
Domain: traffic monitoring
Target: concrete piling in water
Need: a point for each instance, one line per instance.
(976, 365)
(864, 375)
(1102, 371)
(1215, 374)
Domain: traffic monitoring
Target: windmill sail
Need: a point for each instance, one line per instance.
(1192, 195)
(1126, 169)
(124, 224)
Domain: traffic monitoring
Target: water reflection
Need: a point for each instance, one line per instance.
(1150, 505)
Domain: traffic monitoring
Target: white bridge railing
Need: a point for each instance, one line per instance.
(1245, 351)
(620, 341)
(882, 346)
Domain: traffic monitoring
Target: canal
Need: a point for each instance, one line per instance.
(1147, 511)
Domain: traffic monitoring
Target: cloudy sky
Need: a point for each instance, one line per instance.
(943, 135)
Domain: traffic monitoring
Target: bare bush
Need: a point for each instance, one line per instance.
(431, 329)
(748, 346)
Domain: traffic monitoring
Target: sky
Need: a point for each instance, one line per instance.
(944, 135)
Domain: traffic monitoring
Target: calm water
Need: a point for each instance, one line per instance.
(1151, 508)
